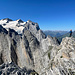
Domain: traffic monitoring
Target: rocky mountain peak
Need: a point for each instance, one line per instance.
(29, 21)
(34, 51)
(7, 19)
(68, 42)
(20, 21)
(19, 25)
(3, 30)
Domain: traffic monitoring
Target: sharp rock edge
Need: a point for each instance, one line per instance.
(31, 52)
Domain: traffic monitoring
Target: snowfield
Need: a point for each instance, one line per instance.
(17, 25)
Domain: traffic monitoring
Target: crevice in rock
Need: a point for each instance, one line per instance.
(13, 52)
(28, 50)
(1, 60)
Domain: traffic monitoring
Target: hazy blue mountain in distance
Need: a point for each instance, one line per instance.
(65, 35)
(55, 33)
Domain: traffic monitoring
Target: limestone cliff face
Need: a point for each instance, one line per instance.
(61, 59)
(35, 30)
(33, 50)
(14, 48)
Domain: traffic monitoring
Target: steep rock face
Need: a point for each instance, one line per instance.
(19, 25)
(35, 30)
(46, 51)
(65, 59)
(33, 42)
(39, 49)
(49, 41)
(3, 30)
(4, 46)
(31, 26)
(22, 50)
(63, 63)
(14, 49)
(33, 50)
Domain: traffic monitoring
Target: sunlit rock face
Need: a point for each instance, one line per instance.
(61, 58)
(33, 50)
(20, 25)
(14, 48)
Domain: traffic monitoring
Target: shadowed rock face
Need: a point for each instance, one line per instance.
(7, 19)
(13, 69)
(20, 21)
(3, 30)
(33, 50)
(13, 48)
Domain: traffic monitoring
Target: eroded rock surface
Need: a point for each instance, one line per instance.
(34, 51)
(61, 59)
(13, 69)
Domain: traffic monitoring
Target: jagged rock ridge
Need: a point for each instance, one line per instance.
(34, 51)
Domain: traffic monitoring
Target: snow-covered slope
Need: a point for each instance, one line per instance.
(21, 26)
(17, 25)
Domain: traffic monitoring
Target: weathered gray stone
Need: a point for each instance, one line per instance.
(33, 50)
(63, 61)
(35, 30)
(12, 69)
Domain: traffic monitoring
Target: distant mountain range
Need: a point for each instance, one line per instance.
(65, 35)
(55, 33)
(58, 34)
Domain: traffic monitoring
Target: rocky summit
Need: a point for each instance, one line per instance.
(26, 50)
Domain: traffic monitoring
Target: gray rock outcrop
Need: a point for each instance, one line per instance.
(34, 51)
(35, 30)
(14, 49)
(13, 69)
(61, 59)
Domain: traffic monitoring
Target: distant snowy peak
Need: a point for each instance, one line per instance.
(18, 25)
(7, 19)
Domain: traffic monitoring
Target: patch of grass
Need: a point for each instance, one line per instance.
(61, 56)
(48, 52)
(69, 69)
(50, 47)
(73, 73)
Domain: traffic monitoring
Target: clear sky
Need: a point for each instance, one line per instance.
(49, 14)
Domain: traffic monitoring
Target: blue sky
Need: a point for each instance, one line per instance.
(49, 14)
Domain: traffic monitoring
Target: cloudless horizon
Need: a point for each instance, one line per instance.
(49, 14)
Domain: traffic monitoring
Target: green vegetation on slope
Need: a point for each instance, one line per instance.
(65, 35)
(55, 33)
